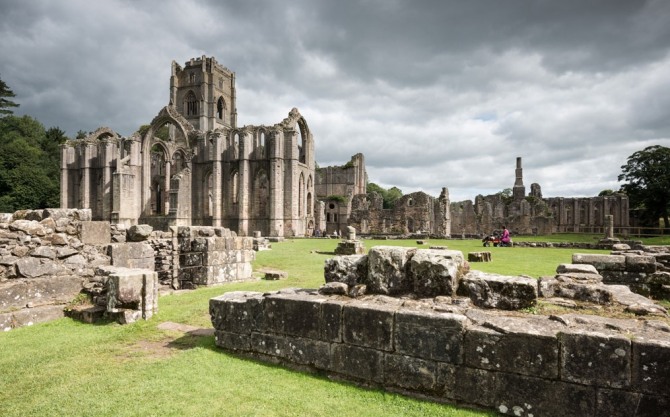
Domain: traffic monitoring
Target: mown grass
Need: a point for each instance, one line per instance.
(66, 368)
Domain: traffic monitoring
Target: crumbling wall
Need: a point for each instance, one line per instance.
(572, 364)
(416, 213)
(46, 258)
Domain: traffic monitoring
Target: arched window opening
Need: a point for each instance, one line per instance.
(191, 104)
(178, 162)
(309, 204)
(301, 143)
(220, 106)
(236, 146)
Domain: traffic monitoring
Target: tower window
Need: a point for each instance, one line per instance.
(219, 108)
(191, 104)
(191, 77)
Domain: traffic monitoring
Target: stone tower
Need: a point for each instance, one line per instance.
(203, 91)
(519, 190)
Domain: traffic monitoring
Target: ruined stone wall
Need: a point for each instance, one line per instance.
(415, 213)
(346, 181)
(524, 366)
(212, 255)
(46, 258)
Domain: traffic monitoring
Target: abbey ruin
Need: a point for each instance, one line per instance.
(193, 165)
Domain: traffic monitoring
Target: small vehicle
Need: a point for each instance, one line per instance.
(491, 240)
(494, 240)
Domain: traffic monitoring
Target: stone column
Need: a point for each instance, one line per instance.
(64, 179)
(609, 230)
(217, 186)
(165, 196)
(108, 156)
(85, 188)
(276, 185)
(244, 185)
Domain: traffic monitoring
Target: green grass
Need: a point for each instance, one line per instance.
(66, 368)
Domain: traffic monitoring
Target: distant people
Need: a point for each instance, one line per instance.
(505, 239)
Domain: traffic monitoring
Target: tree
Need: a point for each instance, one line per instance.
(647, 173)
(389, 197)
(29, 172)
(5, 103)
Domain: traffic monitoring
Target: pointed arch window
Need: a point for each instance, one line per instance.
(191, 104)
(220, 107)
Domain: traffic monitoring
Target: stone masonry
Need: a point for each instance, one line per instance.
(567, 365)
(49, 257)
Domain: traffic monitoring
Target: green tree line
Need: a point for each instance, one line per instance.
(29, 159)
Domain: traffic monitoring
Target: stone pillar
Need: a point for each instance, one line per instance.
(217, 186)
(108, 157)
(609, 229)
(85, 185)
(276, 186)
(244, 184)
(165, 195)
(519, 190)
(64, 179)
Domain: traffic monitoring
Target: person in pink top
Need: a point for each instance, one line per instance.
(505, 239)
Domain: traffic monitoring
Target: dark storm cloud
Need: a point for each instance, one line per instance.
(434, 93)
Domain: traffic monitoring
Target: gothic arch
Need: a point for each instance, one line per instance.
(184, 132)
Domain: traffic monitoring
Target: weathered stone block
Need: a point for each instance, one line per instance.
(357, 362)
(139, 232)
(369, 325)
(520, 395)
(640, 263)
(410, 373)
(270, 344)
(527, 354)
(601, 262)
(232, 341)
(651, 366)
(430, 335)
(121, 253)
(132, 289)
(18, 293)
(479, 256)
(552, 287)
(611, 403)
(331, 319)
(351, 269)
(576, 268)
(30, 316)
(435, 272)
(308, 352)
(499, 291)
(387, 272)
(473, 386)
(238, 312)
(294, 314)
(595, 359)
(95, 233)
(30, 267)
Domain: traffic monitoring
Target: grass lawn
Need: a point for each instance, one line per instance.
(66, 368)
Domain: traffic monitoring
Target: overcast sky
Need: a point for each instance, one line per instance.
(434, 93)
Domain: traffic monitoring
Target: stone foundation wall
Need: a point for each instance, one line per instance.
(572, 364)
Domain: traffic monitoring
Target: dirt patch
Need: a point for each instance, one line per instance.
(178, 338)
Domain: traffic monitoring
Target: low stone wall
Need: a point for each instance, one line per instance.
(212, 255)
(567, 365)
(48, 257)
